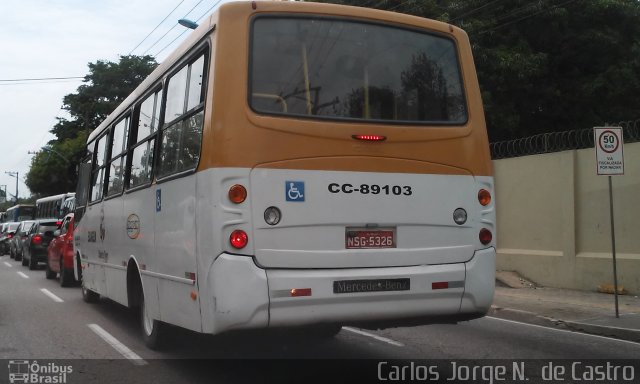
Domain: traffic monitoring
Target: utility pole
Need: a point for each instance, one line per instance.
(15, 174)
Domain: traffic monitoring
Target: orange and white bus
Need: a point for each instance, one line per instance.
(295, 165)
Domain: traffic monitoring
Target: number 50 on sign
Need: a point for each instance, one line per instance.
(609, 154)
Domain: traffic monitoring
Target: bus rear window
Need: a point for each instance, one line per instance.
(340, 69)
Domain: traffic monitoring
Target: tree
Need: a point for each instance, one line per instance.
(547, 65)
(53, 171)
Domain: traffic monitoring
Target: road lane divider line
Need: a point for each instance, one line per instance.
(564, 330)
(379, 338)
(8, 265)
(23, 275)
(51, 295)
(118, 346)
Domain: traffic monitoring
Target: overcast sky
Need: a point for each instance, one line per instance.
(58, 38)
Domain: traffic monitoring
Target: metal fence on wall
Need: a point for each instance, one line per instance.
(558, 141)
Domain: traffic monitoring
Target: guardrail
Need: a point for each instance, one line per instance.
(558, 141)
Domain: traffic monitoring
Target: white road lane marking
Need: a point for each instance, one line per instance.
(564, 330)
(51, 295)
(8, 265)
(118, 346)
(23, 275)
(379, 338)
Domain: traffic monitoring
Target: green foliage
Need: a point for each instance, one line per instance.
(547, 65)
(53, 170)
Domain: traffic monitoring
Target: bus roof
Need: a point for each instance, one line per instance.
(55, 197)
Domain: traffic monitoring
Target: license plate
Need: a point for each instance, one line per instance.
(369, 238)
(378, 285)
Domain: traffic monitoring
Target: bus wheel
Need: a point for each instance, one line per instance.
(79, 269)
(152, 330)
(88, 295)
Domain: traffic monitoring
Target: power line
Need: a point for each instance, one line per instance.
(154, 29)
(525, 17)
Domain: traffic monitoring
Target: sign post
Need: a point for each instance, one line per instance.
(609, 144)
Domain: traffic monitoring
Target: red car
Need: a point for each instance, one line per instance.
(60, 253)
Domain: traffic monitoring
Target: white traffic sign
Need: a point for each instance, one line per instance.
(609, 154)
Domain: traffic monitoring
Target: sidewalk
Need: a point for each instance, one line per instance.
(589, 312)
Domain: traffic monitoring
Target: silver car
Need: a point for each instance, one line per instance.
(16, 244)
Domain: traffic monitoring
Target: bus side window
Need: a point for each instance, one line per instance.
(118, 151)
(97, 175)
(144, 135)
(184, 115)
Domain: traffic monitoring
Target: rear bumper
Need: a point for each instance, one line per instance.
(246, 296)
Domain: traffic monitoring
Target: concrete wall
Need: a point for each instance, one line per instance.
(554, 224)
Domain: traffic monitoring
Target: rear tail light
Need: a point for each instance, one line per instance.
(238, 239)
(485, 236)
(36, 240)
(484, 197)
(58, 223)
(10, 236)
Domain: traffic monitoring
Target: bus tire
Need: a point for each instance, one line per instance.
(88, 295)
(326, 331)
(79, 269)
(153, 331)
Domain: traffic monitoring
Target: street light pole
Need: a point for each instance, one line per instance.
(15, 174)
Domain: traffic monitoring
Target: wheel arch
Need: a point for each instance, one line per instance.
(134, 283)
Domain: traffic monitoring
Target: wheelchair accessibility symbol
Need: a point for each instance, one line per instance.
(294, 190)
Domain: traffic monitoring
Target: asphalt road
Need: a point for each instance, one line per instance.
(40, 321)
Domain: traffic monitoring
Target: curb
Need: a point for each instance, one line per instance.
(535, 319)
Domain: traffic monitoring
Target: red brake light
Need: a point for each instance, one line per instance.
(36, 240)
(59, 223)
(485, 236)
(369, 137)
(10, 235)
(239, 239)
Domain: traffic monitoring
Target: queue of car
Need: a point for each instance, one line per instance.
(47, 241)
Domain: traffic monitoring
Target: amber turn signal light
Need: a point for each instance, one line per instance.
(484, 197)
(237, 193)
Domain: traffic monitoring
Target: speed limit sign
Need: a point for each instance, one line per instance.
(609, 154)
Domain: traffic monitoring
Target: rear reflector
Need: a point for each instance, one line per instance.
(369, 137)
(440, 285)
(297, 292)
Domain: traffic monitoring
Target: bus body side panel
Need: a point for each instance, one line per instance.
(92, 249)
(139, 215)
(114, 249)
(176, 247)
(233, 291)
